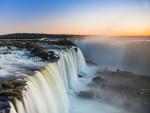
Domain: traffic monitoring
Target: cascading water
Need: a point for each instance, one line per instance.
(46, 90)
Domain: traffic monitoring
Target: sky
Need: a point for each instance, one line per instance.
(87, 17)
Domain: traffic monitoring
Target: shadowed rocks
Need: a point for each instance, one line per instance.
(97, 79)
(36, 49)
(12, 89)
(13, 84)
(9, 91)
(86, 94)
(65, 42)
(45, 55)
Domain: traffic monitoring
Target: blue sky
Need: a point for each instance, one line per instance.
(75, 16)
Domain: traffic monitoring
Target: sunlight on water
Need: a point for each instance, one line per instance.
(46, 90)
(52, 90)
(116, 52)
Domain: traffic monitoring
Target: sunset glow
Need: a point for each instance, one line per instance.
(90, 17)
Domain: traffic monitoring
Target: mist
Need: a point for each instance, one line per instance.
(117, 53)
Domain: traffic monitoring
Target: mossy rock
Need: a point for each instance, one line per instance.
(10, 93)
(13, 101)
(37, 50)
(12, 90)
(29, 45)
(45, 55)
(64, 42)
(13, 84)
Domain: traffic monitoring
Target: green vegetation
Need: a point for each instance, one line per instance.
(13, 90)
(12, 84)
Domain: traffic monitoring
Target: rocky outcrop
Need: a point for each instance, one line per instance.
(12, 89)
(65, 42)
(9, 91)
(36, 47)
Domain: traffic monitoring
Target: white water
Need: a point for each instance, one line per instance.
(46, 90)
(15, 61)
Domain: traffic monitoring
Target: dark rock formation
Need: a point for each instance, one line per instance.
(45, 55)
(86, 94)
(64, 42)
(80, 76)
(97, 79)
(35, 46)
(9, 91)
(13, 84)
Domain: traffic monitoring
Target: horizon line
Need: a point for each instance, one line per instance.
(76, 34)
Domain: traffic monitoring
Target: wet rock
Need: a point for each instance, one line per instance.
(3, 98)
(64, 42)
(76, 49)
(9, 47)
(45, 55)
(52, 55)
(80, 76)
(86, 94)
(38, 51)
(4, 105)
(29, 45)
(11, 90)
(13, 84)
(97, 79)
(18, 44)
(9, 93)
(51, 52)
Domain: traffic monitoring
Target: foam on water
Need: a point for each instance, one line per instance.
(47, 90)
(13, 61)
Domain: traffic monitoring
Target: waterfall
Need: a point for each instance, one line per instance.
(46, 90)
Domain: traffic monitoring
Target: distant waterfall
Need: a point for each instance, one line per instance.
(46, 90)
